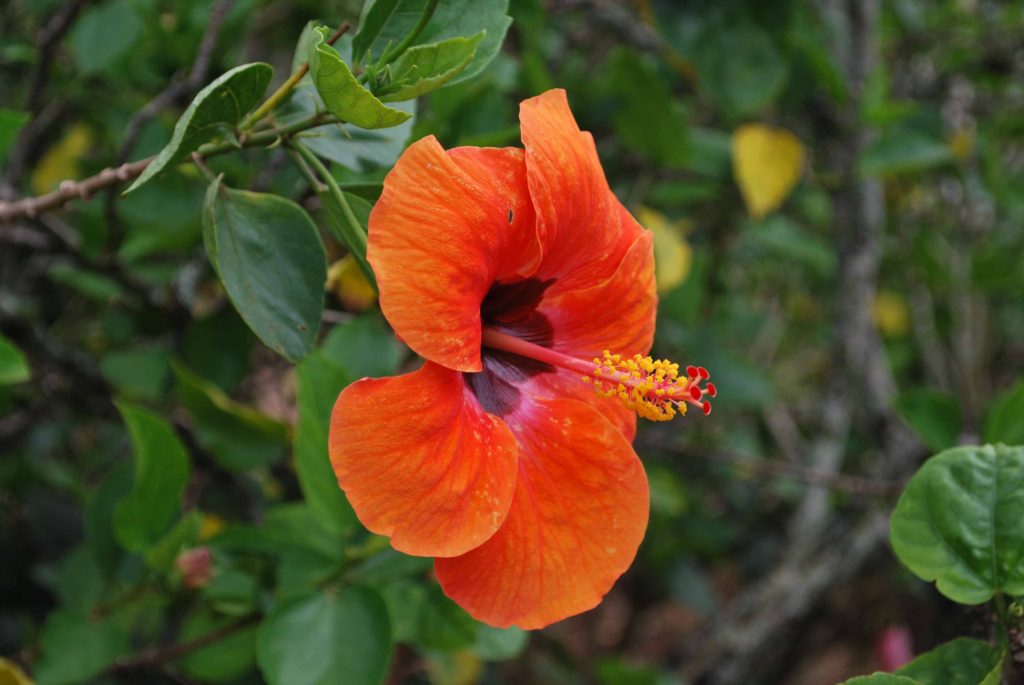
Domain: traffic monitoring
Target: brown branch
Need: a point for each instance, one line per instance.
(32, 207)
(157, 655)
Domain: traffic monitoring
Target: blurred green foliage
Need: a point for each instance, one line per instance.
(149, 407)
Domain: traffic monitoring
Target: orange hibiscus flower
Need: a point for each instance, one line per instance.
(509, 270)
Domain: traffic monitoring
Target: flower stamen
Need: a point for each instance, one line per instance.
(651, 387)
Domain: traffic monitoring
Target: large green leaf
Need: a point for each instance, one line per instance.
(268, 254)
(239, 437)
(326, 639)
(76, 648)
(428, 67)
(318, 382)
(934, 416)
(1004, 421)
(14, 367)
(342, 94)
(214, 113)
(387, 22)
(958, 522)
(963, 661)
(161, 469)
(903, 151)
(356, 148)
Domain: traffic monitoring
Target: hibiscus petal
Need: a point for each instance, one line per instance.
(569, 385)
(578, 221)
(578, 516)
(616, 314)
(446, 226)
(421, 462)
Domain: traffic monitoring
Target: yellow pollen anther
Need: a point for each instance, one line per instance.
(650, 387)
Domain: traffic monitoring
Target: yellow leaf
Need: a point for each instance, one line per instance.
(962, 143)
(61, 161)
(673, 255)
(767, 164)
(890, 314)
(210, 525)
(11, 674)
(346, 281)
(455, 668)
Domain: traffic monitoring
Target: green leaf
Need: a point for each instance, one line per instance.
(740, 66)
(428, 67)
(232, 592)
(14, 366)
(139, 373)
(785, 239)
(161, 469)
(217, 348)
(76, 648)
(963, 661)
(499, 644)
(1004, 421)
(322, 639)
(225, 660)
(214, 113)
(295, 526)
(94, 286)
(387, 22)
(77, 580)
(11, 123)
(336, 215)
(318, 382)
(934, 416)
(268, 254)
(356, 148)
(340, 90)
(363, 346)
(237, 436)
(103, 36)
(99, 516)
(184, 533)
(958, 522)
(646, 117)
(881, 679)
(903, 151)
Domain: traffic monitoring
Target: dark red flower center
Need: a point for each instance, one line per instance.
(510, 308)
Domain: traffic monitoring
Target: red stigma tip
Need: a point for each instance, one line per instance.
(706, 407)
(712, 390)
(695, 392)
(691, 371)
(703, 373)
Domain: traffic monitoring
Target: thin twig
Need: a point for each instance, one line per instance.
(67, 191)
(49, 38)
(157, 655)
(278, 96)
